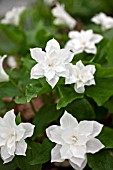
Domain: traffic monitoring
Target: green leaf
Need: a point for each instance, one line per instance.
(37, 88)
(45, 153)
(18, 118)
(109, 105)
(7, 89)
(9, 166)
(81, 109)
(109, 56)
(102, 72)
(67, 95)
(32, 151)
(12, 40)
(20, 100)
(106, 137)
(102, 160)
(46, 115)
(100, 92)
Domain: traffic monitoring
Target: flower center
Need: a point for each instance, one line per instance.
(74, 139)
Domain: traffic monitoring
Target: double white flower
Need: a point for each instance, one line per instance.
(13, 16)
(52, 63)
(62, 17)
(3, 76)
(12, 136)
(73, 140)
(80, 75)
(83, 41)
(102, 19)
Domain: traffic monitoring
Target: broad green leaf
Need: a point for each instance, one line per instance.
(81, 109)
(109, 56)
(106, 137)
(67, 95)
(20, 100)
(45, 153)
(100, 92)
(102, 160)
(45, 116)
(37, 88)
(12, 40)
(102, 72)
(7, 89)
(32, 151)
(109, 105)
(9, 166)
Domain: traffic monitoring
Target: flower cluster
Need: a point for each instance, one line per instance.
(74, 140)
(12, 136)
(102, 19)
(62, 17)
(83, 41)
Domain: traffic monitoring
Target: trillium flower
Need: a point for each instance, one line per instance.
(74, 140)
(52, 63)
(80, 75)
(12, 136)
(102, 19)
(3, 76)
(62, 17)
(83, 41)
(13, 16)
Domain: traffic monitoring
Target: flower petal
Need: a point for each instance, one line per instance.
(53, 81)
(77, 167)
(97, 127)
(85, 127)
(37, 72)
(94, 145)
(21, 148)
(78, 151)
(52, 45)
(3, 74)
(68, 121)
(65, 152)
(37, 54)
(29, 129)
(54, 134)
(4, 153)
(80, 89)
(77, 161)
(55, 154)
(9, 119)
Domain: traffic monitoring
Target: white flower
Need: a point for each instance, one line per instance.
(12, 136)
(3, 75)
(62, 17)
(80, 75)
(102, 19)
(13, 16)
(11, 62)
(83, 41)
(52, 63)
(73, 140)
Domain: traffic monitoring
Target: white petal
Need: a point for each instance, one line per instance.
(65, 152)
(92, 50)
(94, 145)
(79, 90)
(49, 74)
(78, 151)
(96, 38)
(29, 129)
(8, 159)
(85, 127)
(4, 153)
(77, 161)
(77, 167)
(37, 54)
(21, 147)
(53, 81)
(52, 45)
(54, 134)
(97, 127)
(68, 121)
(55, 154)
(74, 35)
(37, 72)
(11, 145)
(9, 119)
(2, 141)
